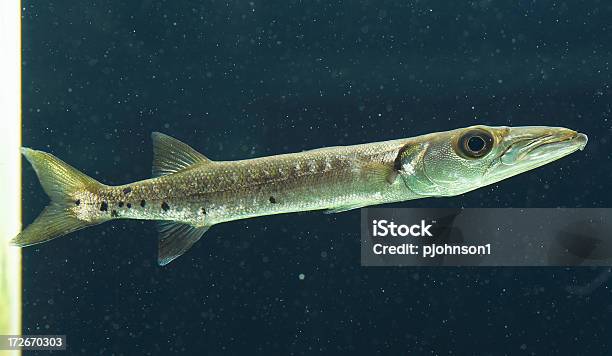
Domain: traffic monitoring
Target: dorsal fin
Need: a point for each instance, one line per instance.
(171, 155)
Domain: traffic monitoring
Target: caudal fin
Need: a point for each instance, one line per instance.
(61, 182)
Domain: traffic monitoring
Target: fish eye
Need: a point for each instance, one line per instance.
(475, 143)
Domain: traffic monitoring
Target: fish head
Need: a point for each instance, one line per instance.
(461, 160)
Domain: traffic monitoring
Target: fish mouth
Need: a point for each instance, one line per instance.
(534, 148)
(544, 148)
(576, 141)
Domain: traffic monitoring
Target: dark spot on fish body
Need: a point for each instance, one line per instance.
(77, 202)
(127, 190)
(129, 205)
(104, 206)
(143, 203)
(114, 213)
(203, 210)
(120, 204)
(272, 200)
(165, 206)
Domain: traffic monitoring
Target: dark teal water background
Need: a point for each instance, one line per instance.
(244, 79)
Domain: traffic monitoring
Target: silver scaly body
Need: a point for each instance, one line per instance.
(191, 193)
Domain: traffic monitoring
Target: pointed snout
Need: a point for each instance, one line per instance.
(541, 143)
(536, 132)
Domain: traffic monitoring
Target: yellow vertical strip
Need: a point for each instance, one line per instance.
(10, 168)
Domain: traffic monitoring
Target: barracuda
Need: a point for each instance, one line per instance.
(190, 193)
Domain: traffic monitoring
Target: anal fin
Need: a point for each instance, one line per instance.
(175, 239)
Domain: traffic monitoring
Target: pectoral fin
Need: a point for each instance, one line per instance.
(379, 172)
(375, 172)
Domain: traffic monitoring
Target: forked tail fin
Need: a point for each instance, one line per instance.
(61, 182)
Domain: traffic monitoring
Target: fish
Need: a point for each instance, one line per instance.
(189, 192)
